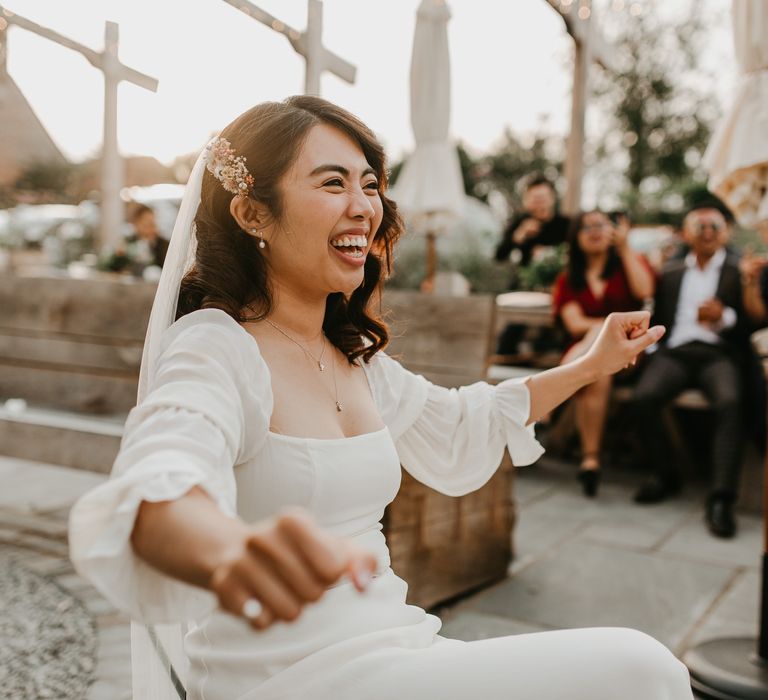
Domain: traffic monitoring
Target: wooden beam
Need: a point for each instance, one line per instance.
(3, 47)
(95, 58)
(589, 45)
(114, 71)
(307, 44)
(586, 31)
(574, 159)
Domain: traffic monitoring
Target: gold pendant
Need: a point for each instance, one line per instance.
(338, 407)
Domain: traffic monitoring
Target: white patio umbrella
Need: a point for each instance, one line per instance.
(737, 157)
(736, 668)
(430, 189)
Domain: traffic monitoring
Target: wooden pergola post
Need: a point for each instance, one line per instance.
(308, 44)
(589, 46)
(114, 71)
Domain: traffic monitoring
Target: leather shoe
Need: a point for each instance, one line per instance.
(590, 481)
(656, 489)
(719, 517)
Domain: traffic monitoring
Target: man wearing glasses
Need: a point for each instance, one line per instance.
(699, 300)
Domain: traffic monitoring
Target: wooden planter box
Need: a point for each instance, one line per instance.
(443, 546)
(447, 547)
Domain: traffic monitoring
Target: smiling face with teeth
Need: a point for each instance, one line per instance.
(331, 210)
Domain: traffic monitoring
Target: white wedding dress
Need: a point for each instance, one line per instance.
(206, 422)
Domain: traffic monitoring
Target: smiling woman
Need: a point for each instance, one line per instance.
(244, 497)
(306, 207)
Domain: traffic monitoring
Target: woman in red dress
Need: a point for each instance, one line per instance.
(603, 275)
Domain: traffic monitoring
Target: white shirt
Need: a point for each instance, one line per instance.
(696, 287)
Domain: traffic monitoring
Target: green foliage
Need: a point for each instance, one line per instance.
(543, 270)
(394, 172)
(51, 181)
(661, 111)
(506, 167)
(483, 274)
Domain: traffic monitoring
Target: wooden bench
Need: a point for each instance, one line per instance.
(71, 349)
(442, 546)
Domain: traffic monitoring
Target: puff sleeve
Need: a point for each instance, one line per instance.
(453, 440)
(207, 410)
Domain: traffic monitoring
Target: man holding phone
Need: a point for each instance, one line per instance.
(539, 224)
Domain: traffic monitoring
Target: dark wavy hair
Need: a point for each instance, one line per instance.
(577, 261)
(230, 273)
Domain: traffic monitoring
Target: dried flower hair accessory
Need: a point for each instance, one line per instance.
(227, 168)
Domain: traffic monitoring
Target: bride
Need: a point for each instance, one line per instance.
(246, 500)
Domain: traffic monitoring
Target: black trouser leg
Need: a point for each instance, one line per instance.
(509, 339)
(719, 380)
(663, 378)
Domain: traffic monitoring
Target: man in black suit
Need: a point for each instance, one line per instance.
(699, 300)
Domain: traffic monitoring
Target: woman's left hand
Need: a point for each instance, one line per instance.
(621, 339)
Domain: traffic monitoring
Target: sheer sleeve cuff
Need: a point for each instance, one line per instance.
(512, 403)
(101, 524)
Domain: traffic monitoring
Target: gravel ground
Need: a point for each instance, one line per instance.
(49, 638)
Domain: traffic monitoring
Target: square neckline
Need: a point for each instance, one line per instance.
(346, 438)
(284, 436)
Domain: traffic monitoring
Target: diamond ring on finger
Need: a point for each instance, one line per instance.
(252, 608)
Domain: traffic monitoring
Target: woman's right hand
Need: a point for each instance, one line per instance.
(284, 564)
(622, 337)
(528, 228)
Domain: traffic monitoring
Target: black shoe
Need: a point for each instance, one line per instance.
(590, 481)
(719, 517)
(656, 489)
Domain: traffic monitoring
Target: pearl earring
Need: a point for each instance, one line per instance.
(262, 244)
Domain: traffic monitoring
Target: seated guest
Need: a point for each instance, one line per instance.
(145, 230)
(699, 300)
(603, 275)
(538, 225)
(143, 247)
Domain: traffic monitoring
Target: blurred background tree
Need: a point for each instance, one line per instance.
(46, 182)
(502, 171)
(660, 110)
(505, 169)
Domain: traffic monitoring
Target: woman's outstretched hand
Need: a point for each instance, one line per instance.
(622, 338)
(282, 565)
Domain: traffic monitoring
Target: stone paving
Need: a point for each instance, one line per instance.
(579, 563)
(609, 562)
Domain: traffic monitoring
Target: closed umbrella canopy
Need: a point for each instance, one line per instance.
(430, 185)
(737, 157)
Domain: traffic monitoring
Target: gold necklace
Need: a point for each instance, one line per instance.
(335, 388)
(318, 360)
